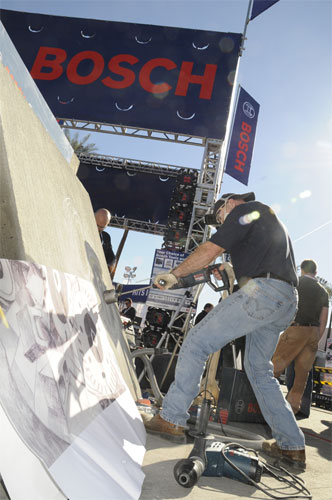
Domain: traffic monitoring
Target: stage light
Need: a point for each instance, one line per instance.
(188, 178)
(183, 196)
(179, 218)
(157, 317)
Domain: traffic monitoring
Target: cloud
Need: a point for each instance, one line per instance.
(324, 145)
(302, 196)
(305, 194)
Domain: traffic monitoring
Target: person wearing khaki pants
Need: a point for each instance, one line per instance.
(299, 343)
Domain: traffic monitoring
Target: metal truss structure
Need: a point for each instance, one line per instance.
(147, 167)
(208, 183)
(127, 131)
(207, 191)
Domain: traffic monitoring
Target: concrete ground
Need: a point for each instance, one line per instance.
(161, 456)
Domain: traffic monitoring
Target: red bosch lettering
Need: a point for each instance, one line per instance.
(246, 127)
(241, 153)
(144, 75)
(98, 67)
(206, 81)
(239, 165)
(128, 76)
(243, 146)
(51, 63)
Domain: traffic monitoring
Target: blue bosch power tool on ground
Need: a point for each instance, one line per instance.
(213, 458)
(221, 459)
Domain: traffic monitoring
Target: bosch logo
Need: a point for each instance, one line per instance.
(248, 109)
(52, 62)
(242, 147)
(239, 406)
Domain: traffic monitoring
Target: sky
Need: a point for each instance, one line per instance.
(287, 68)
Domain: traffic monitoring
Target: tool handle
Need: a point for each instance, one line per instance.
(224, 277)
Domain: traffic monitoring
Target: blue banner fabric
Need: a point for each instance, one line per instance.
(135, 195)
(152, 77)
(136, 292)
(260, 5)
(242, 138)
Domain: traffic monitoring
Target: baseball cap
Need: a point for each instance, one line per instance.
(225, 197)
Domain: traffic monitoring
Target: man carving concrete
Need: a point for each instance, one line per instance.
(265, 304)
(299, 343)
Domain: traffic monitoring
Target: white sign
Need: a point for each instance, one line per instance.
(164, 261)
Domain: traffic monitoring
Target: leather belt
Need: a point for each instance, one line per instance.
(274, 277)
(303, 324)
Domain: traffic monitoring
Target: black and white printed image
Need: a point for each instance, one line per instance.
(57, 368)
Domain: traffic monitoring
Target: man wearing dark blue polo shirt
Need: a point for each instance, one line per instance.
(263, 261)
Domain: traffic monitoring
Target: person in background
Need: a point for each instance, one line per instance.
(299, 343)
(103, 218)
(129, 311)
(207, 308)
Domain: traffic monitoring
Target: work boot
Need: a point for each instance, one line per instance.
(166, 430)
(296, 458)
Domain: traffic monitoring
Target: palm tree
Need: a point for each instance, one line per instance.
(80, 145)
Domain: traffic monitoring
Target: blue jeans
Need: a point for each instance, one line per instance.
(260, 310)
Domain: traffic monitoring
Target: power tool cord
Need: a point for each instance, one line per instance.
(295, 482)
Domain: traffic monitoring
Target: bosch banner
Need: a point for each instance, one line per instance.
(242, 137)
(137, 293)
(260, 6)
(153, 77)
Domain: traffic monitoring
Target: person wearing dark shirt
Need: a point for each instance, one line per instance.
(206, 309)
(262, 256)
(103, 218)
(129, 311)
(299, 343)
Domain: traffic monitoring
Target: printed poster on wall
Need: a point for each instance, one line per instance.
(61, 386)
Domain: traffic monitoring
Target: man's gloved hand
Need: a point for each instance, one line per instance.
(169, 279)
